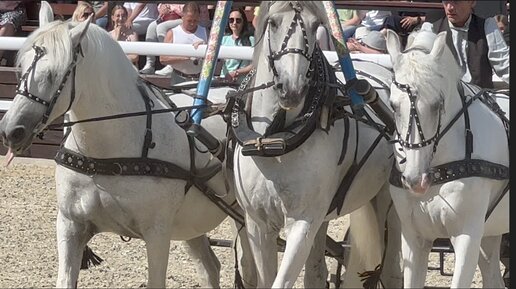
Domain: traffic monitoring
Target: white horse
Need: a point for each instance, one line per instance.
(285, 183)
(78, 69)
(453, 164)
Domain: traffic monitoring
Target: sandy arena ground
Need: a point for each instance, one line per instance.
(28, 251)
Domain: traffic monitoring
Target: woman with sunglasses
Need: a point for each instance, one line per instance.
(237, 34)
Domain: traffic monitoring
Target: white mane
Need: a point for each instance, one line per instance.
(268, 8)
(441, 74)
(57, 47)
(101, 53)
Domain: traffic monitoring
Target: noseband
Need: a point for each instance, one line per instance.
(414, 118)
(284, 50)
(24, 90)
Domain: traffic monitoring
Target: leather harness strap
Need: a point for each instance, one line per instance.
(467, 167)
(280, 140)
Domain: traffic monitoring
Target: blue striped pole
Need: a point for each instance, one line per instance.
(219, 23)
(342, 52)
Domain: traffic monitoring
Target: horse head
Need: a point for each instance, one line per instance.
(287, 30)
(423, 76)
(46, 89)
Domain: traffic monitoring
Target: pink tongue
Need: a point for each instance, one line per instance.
(9, 157)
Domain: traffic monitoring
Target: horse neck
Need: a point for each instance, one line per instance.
(265, 103)
(453, 140)
(107, 89)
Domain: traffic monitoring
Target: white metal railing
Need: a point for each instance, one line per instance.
(154, 48)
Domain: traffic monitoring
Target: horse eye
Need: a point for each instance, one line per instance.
(273, 23)
(315, 27)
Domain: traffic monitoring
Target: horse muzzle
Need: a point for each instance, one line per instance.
(418, 185)
(16, 138)
(291, 96)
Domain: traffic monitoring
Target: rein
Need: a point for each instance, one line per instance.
(131, 166)
(126, 115)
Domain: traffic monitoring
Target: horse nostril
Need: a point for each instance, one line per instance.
(17, 134)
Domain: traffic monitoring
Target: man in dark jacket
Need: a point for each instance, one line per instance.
(476, 43)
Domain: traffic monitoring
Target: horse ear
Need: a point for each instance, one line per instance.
(46, 15)
(77, 33)
(439, 45)
(393, 45)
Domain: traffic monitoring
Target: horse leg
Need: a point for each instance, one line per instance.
(389, 223)
(300, 238)
(415, 251)
(157, 243)
(207, 264)
(72, 237)
(244, 257)
(489, 262)
(467, 249)
(365, 252)
(264, 246)
(316, 271)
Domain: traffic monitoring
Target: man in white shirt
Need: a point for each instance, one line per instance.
(189, 32)
(476, 43)
(141, 15)
(373, 19)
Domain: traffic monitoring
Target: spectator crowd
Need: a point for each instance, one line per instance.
(364, 30)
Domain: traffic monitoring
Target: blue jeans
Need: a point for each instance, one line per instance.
(102, 22)
(348, 31)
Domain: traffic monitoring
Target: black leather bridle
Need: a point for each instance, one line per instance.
(22, 88)
(414, 118)
(273, 56)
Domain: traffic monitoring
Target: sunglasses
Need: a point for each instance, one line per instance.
(237, 20)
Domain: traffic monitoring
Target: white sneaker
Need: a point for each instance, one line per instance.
(165, 71)
(147, 69)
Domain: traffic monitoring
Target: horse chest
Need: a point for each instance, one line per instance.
(444, 210)
(116, 204)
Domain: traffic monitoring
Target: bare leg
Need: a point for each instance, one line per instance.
(316, 272)
(489, 262)
(208, 266)
(72, 237)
